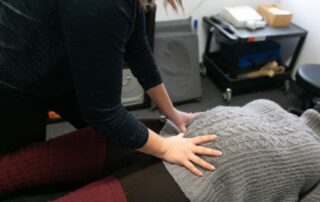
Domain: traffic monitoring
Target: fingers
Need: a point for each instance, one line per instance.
(185, 151)
(197, 113)
(200, 162)
(193, 169)
(203, 139)
(206, 151)
(183, 128)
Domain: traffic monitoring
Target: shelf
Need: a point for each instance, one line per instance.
(271, 32)
(229, 69)
(245, 35)
(242, 85)
(226, 74)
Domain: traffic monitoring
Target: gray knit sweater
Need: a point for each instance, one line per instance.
(268, 155)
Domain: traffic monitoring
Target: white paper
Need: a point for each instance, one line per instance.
(278, 11)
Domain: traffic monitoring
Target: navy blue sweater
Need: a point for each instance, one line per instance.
(94, 37)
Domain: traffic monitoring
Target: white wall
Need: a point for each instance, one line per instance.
(306, 14)
(199, 8)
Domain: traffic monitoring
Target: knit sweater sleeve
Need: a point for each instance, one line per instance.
(139, 56)
(96, 33)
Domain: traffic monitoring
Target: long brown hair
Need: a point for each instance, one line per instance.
(173, 3)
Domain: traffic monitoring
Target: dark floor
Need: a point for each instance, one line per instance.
(212, 97)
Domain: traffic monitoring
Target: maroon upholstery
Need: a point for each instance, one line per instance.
(71, 158)
(106, 190)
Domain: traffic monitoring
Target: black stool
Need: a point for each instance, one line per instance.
(308, 77)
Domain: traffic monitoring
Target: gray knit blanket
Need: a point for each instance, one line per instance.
(268, 155)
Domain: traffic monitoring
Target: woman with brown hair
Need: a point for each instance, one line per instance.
(68, 56)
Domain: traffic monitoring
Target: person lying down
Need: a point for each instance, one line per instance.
(268, 155)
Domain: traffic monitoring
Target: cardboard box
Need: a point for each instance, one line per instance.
(275, 15)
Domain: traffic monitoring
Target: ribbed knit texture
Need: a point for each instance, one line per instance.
(32, 48)
(75, 157)
(268, 155)
(54, 47)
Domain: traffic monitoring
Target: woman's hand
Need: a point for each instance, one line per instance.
(181, 119)
(160, 97)
(180, 150)
(185, 151)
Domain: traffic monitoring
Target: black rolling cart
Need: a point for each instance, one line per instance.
(226, 75)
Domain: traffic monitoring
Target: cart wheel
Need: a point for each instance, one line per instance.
(227, 95)
(203, 70)
(286, 86)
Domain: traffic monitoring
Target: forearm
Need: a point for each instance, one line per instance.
(155, 146)
(160, 97)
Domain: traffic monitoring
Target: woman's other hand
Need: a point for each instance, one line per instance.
(186, 151)
(160, 97)
(182, 119)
